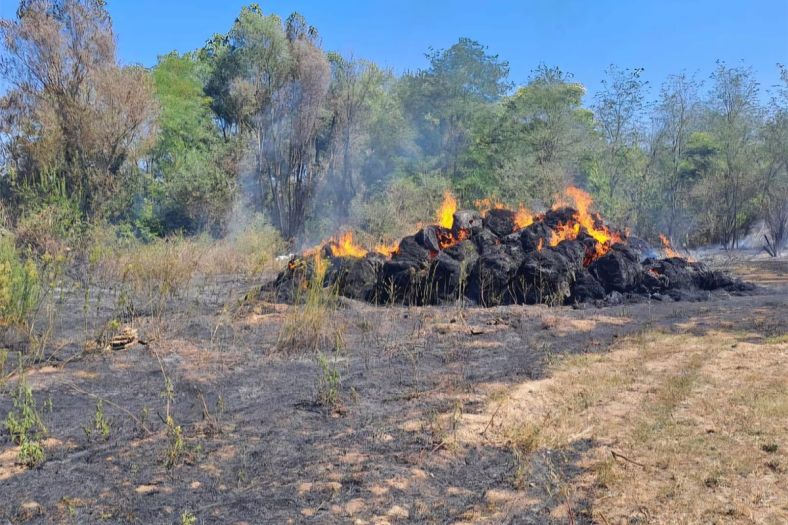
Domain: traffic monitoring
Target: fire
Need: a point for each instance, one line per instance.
(387, 249)
(540, 245)
(564, 232)
(523, 217)
(343, 246)
(487, 204)
(445, 214)
(583, 223)
(584, 219)
(667, 247)
(447, 239)
(583, 202)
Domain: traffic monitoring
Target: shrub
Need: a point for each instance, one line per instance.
(25, 425)
(19, 284)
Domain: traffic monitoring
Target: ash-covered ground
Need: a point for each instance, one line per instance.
(413, 434)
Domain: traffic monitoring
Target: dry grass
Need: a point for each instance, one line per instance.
(687, 428)
(310, 325)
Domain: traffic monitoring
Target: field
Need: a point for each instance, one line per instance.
(239, 411)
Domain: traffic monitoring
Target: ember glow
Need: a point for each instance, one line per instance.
(445, 214)
(447, 239)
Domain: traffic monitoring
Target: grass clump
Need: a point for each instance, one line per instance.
(176, 446)
(100, 424)
(310, 325)
(329, 382)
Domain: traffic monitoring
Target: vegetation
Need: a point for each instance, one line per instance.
(263, 119)
(25, 426)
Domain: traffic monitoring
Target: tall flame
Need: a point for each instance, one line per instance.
(583, 219)
(445, 215)
(667, 247)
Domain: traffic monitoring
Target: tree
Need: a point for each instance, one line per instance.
(71, 109)
(443, 100)
(619, 110)
(675, 118)
(272, 81)
(544, 132)
(734, 119)
(193, 170)
(774, 182)
(354, 84)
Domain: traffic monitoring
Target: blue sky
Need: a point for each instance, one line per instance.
(582, 37)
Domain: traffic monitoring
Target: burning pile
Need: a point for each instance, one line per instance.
(496, 256)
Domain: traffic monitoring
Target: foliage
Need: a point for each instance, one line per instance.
(262, 119)
(193, 183)
(71, 109)
(25, 425)
(442, 100)
(19, 284)
(100, 424)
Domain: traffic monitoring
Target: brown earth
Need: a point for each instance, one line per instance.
(646, 413)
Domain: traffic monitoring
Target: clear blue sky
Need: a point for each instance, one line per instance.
(582, 37)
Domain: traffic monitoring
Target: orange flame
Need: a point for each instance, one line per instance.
(343, 246)
(387, 249)
(487, 204)
(523, 217)
(564, 232)
(540, 245)
(445, 215)
(667, 247)
(585, 220)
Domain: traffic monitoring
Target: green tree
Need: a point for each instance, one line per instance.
(676, 117)
(535, 142)
(616, 174)
(193, 173)
(271, 79)
(774, 182)
(443, 100)
(734, 120)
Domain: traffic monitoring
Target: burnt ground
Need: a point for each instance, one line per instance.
(259, 448)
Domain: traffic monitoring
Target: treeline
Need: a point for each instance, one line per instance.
(264, 119)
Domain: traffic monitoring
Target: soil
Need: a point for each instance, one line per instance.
(260, 448)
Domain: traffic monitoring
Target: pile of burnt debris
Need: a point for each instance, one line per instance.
(565, 256)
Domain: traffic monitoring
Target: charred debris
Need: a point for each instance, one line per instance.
(565, 256)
